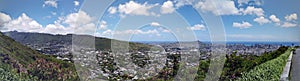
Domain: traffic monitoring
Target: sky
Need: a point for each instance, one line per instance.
(156, 20)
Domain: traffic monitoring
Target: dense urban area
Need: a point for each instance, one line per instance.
(156, 61)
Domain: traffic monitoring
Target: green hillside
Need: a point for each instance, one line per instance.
(41, 38)
(268, 71)
(19, 62)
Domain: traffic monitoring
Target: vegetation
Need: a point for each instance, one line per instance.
(23, 63)
(236, 65)
(268, 71)
(41, 38)
(20, 63)
(234, 68)
(202, 70)
(8, 76)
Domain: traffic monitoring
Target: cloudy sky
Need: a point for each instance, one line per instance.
(155, 20)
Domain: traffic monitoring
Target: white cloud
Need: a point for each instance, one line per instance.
(23, 24)
(242, 25)
(26, 24)
(52, 3)
(56, 29)
(250, 2)
(112, 10)
(291, 17)
(154, 24)
(133, 8)
(137, 32)
(243, 1)
(180, 3)
(76, 3)
(261, 20)
(130, 32)
(53, 13)
(89, 28)
(166, 31)
(223, 7)
(197, 27)
(288, 24)
(167, 7)
(252, 10)
(81, 22)
(103, 25)
(107, 33)
(78, 19)
(4, 18)
(275, 19)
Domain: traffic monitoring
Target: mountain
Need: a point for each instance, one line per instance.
(19, 63)
(42, 38)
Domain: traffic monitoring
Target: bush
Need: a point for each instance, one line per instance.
(268, 71)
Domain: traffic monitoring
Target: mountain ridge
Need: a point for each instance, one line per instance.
(101, 43)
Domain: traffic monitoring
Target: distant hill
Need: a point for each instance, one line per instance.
(42, 38)
(18, 63)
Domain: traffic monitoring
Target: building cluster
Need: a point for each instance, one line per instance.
(144, 64)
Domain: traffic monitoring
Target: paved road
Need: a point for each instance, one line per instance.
(296, 66)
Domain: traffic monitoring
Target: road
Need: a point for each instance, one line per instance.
(296, 66)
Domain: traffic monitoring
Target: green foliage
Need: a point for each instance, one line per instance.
(8, 76)
(236, 65)
(268, 71)
(22, 62)
(202, 70)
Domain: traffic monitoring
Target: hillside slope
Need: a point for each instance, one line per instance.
(25, 63)
(41, 38)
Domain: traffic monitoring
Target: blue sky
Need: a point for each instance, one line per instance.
(156, 20)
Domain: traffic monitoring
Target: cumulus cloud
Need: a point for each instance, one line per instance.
(82, 22)
(197, 27)
(291, 17)
(134, 8)
(140, 32)
(288, 24)
(252, 10)
(112, 10)
(56, 29)
(243, 1)
(167, 7)
(166, 31)
(223, 7)
(261, 20)
(78, 19)
(106, 33)
(53, 13)
(26, 24)
(23, 24)
(52, 3)
(180, 3)
(76, 3)
(4, 18)
(250, 2)
(103, 25)
(242, 25)
(275, 19)
(154, 24)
